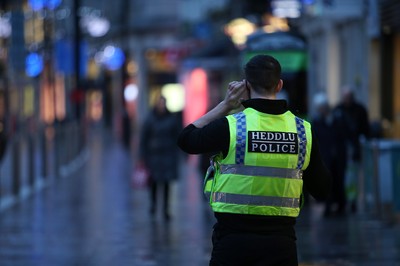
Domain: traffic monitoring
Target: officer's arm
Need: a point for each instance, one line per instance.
(231, 102)
(212, 138)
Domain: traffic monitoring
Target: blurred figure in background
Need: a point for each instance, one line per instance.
(356, 118)
(332, 134)
(126, 130)
(159, 153)
(3, 140)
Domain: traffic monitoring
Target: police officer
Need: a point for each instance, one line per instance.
(265, 156)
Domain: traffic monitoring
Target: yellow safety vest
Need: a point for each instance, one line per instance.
(262, 172)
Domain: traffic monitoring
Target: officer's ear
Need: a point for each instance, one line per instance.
(279, 86)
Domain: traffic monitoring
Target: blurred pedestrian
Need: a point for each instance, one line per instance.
(332, 133)
(3, 140)
(356, 117)
(265, 154)
(126, 130)
(159, 154)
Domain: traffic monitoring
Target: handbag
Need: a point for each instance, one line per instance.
(140, 177)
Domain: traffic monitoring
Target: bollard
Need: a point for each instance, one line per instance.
(385, 178)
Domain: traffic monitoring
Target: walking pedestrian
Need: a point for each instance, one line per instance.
(265, 155)
(332, 133)
(355, 116)
(159, 154)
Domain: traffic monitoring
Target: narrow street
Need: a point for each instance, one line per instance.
(95, 218)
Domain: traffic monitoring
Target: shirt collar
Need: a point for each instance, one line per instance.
(275, 107)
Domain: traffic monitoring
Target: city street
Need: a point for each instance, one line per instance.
(94, 217)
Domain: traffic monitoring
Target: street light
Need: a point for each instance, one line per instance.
(111, 57)
(238, 30)
(95, 26)
(93, 22)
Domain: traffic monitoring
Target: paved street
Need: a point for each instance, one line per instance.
(94, 218)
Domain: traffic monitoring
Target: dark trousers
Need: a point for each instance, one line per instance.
(252, 249)
(154, 187)
(338, 193)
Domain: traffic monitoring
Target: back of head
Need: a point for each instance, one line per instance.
(347, 95)
(321, 103)
(320, 99)
(263, 72)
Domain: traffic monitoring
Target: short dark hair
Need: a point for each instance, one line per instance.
(263, 72)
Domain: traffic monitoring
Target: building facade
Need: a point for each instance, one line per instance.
(356, 43)
(389, 48)
(338, 48)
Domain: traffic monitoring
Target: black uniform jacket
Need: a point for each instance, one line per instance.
(214, 137)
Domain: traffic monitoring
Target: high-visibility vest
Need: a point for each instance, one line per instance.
(262, 172)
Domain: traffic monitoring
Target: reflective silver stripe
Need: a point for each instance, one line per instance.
(260, 171)
(255, 200)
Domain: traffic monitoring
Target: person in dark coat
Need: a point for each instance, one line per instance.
(355, 116)
(159, 154)
(333, 136)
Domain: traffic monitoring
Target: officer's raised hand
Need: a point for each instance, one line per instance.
(233, 99)
(235, 94)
